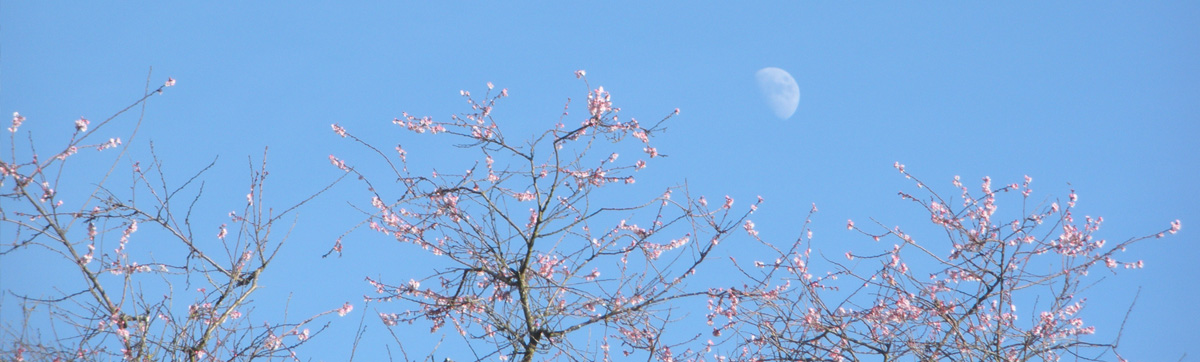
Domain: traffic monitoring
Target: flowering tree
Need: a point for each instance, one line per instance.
(531, 258)
(982, 289)
(168, 300)
(527, 252)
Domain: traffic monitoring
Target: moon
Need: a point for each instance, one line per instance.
(779, 90)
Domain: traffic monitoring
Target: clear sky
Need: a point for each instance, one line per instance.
(1104, 96)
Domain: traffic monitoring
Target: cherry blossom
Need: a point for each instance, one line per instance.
(16, 122)
(81, 124)
(553, 234)
(345, 309)
(338, 129)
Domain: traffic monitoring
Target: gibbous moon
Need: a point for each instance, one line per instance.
(779, 90)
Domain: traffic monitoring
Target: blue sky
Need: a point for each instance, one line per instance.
(1101, 97)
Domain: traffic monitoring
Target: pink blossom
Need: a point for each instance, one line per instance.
(898, 166)
(403, 154)
(47, 191)
(112, 143)
(1175, 226)
(70, 151)
(222, 233)
(346, 308)
(812, 318)
(849, 224)
(16, 122)
(599, 102)
(133, 227)
(490, 86)
(580, 73)
(338, 129)
(170, 82)
(81, 124)
(749, 225)
(87, 258)
(339, 163)
(524, 196)
(272, 342)
(389, 319)
(728, 202)
(641, 136)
